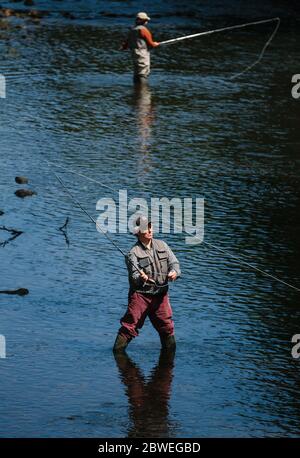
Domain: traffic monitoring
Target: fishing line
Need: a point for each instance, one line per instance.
(261, 54)
(233, 27)
(250, 265)
(237, 258)
(80, 175)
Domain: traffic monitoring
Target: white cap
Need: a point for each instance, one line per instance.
(143, 16)
(141, 225)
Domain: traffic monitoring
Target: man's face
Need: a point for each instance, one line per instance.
(141, 21)
(146, 237)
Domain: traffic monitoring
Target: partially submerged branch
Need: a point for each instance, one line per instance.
(14, 234)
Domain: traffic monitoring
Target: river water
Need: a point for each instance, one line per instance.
(194, 132)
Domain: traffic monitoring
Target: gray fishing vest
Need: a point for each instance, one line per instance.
(154, 263)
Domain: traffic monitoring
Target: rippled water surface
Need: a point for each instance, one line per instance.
(194, 132)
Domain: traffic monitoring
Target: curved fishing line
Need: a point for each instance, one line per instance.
(237, 258)
(249, 67)
(238, 26)
(149, 282)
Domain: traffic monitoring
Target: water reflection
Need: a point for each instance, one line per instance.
(145, 115)
(149, 400)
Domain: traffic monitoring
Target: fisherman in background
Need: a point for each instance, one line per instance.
(151, 264)
(140, 41)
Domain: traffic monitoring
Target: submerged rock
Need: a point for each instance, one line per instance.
(1, 212)
(24, 193)
(21, 180)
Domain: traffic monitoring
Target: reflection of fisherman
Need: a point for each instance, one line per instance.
(150, 263)
(145, 116)
(140, 41)
(148, 400)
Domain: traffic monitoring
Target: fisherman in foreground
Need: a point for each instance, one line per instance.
(151, 264)
(140, 41)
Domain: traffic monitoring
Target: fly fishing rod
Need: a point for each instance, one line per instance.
(209, 32)
(150, 280)
(239, 26)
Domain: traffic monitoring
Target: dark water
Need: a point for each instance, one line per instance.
(192, 133)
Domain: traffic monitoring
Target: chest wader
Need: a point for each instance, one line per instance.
(140, 55)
